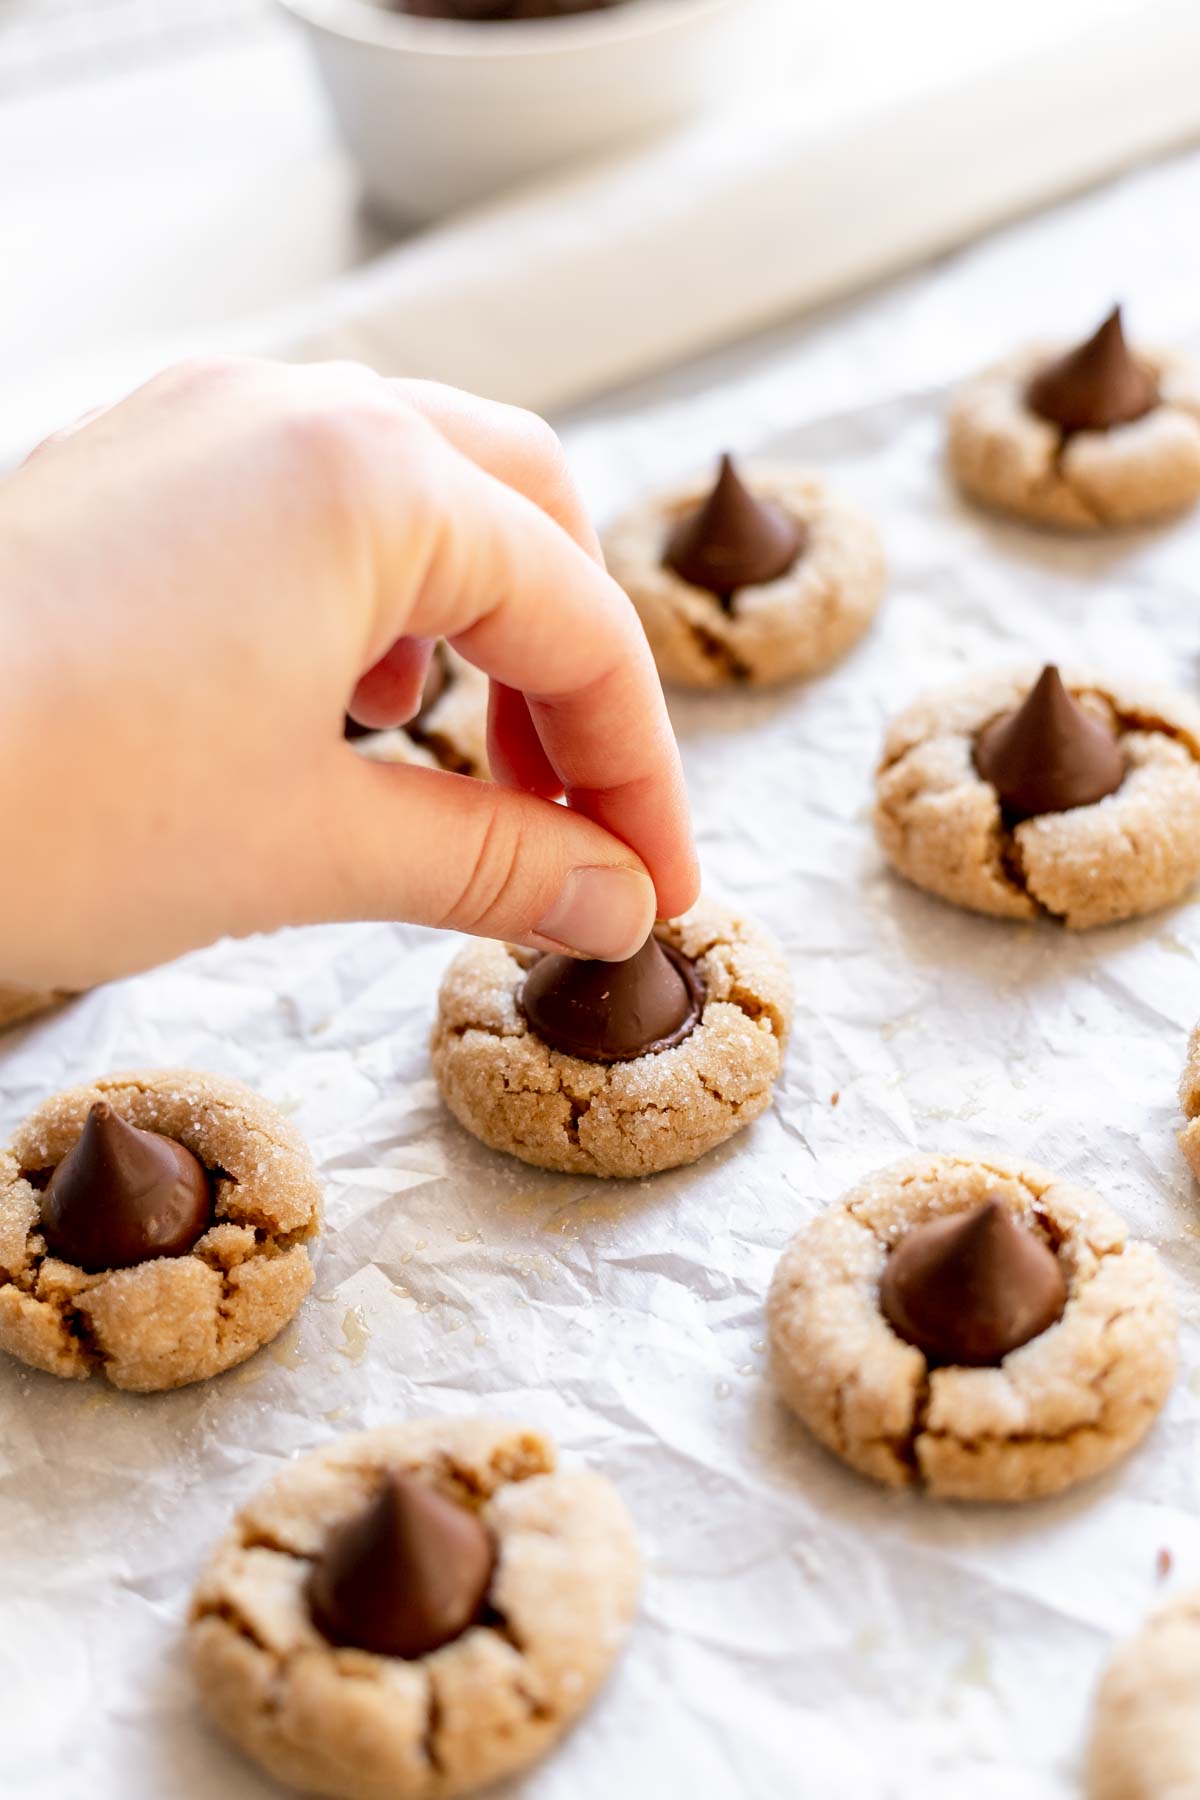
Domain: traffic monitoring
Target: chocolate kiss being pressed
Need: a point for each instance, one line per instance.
(123, 1196)
(1096, 386)
(970, 1287)
(1050, 755)
(733, 540)
(404, 1576)
(612, 1012)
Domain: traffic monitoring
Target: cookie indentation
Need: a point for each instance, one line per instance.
(1104, 460)
(517, 1093)
(165, 1320)
(814, 577)
(941, 824)
(353, 1723)
(1066, 1403)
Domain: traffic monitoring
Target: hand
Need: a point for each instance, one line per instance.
(198, 581)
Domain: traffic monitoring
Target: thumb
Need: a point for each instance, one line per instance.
(438, 849)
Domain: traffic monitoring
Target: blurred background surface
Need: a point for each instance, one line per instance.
(173, 180)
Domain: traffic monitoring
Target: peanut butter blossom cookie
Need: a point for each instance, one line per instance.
(983, 1331)
(153, 1229)
(1023, 795)
(754, 580)
(615, 1068)
(1145, 1741)
(413, 1612)
(1093, 438)
(449, 731)
(1189, 1100)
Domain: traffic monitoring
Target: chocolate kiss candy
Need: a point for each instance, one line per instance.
(611, 1012)
(1049, 755)
(404, 1576)
(971, 1287)
(733, 540)
(123, 1196)
(458, 9)
(1095, 386)
(435, 687)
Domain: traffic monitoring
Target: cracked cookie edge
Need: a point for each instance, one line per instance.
(346, 1723)
(871, 1399)
(629, 1119)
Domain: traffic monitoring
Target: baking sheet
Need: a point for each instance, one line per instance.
(802, 1633)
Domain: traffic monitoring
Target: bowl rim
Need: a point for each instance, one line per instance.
(363, 22)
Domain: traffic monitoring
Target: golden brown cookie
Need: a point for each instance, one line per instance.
(798, 624)
(633, 1118)
(1007, 457)
(173, 1319)
(450, 732)
(362, 1726)
(1063, 1406)
(940, 823)
(1189, 1100)
(1145, 1742)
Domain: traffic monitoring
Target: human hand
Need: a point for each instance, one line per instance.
(200, 580)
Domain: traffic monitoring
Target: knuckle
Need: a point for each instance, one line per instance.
(342, 374)
(493, 872)
(355, 457)
(319, 439)
(546, 471)
(201, 374)
(350, 430)
(543, 445)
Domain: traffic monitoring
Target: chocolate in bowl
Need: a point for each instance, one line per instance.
(442, 106)
(485, 12)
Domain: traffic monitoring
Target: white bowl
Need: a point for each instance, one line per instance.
(438, 113)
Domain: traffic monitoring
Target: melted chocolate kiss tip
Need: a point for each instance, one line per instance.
(1096, 386)
(612, 1012)
(123, 1196)
(1049, 755)
(732, 539)
(968, 1288)
(405, 1575)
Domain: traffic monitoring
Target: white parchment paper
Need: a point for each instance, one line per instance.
(802, 1633)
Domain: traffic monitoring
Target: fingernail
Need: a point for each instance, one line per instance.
(602, 913)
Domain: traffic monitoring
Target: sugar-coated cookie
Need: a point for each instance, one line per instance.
(752, 581)
(153, 1229)
(1145, 1741)
(1091, 439)
(945, 825)
(978, 1329)
(413, 1612)
(709, 1073)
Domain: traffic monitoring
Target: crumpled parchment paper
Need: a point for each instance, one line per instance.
(802, 1633)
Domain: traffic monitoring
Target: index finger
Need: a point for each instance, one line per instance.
(468, 558)
(511, 443)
